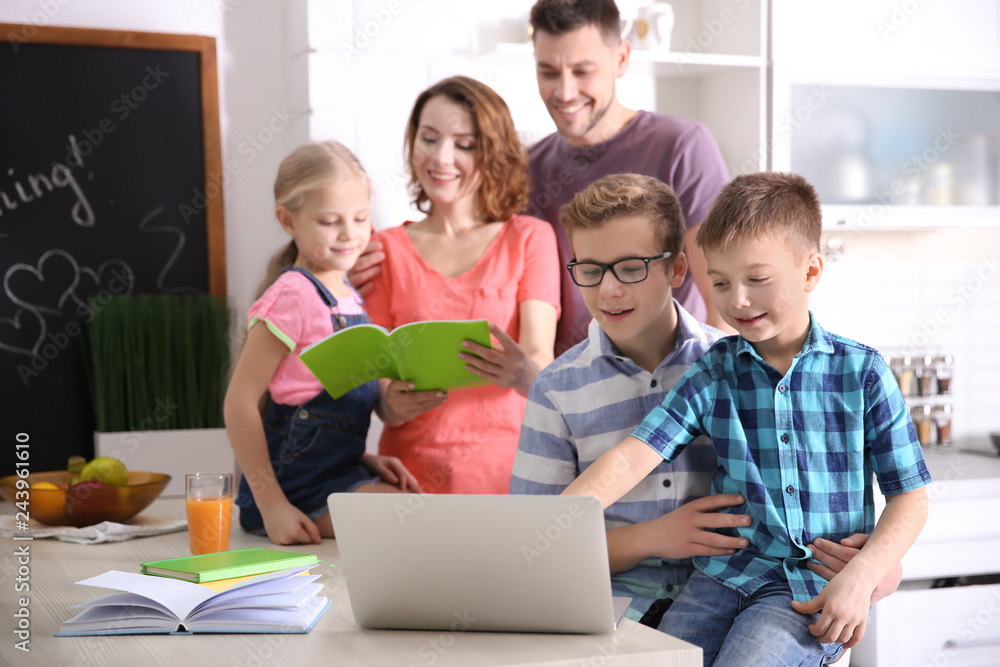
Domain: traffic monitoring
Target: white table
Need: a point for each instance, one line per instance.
(335, 639)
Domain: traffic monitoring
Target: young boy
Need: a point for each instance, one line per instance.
(640, 342)
(799, 418)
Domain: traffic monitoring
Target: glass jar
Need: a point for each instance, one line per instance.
(942, 419)
(921, 415)
(925, 376)
(943, 365)
(902, 368)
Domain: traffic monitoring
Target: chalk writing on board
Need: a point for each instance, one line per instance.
(38, 185)
(146, 226)
(59, 282)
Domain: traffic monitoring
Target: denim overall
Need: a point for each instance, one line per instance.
(315, 448)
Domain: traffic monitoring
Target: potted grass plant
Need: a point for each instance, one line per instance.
(157, 366)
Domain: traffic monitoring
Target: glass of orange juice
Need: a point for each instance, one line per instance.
(209, 511)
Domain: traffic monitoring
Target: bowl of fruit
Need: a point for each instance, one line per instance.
(85, 493)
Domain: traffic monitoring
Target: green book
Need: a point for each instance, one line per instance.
(425, 353)
(227, 564)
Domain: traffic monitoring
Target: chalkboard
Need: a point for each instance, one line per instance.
(110, 183)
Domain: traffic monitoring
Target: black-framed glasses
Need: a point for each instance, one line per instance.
(629, 270)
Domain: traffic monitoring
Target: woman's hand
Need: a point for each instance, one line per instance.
(505, 365)
(392, 470)
(287, 524)
(398, 402)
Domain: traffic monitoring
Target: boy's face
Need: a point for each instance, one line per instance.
(576, 80)
(637, 316)
(761, 288)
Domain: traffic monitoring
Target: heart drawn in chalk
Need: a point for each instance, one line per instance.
(47, 285)
(23, 333)
(114, 276)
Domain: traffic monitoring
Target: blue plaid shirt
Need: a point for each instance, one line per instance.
(801, 448)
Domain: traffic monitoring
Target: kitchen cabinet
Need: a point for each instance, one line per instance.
(924, 623)
(892, 111)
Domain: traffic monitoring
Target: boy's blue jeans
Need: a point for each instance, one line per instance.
(736, 629)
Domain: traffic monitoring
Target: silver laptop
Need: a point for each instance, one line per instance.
(476, 562)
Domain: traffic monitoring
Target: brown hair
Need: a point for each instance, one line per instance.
(782, 205)
(622, 195)
(500, 159)
(558, 17)
(312, 165)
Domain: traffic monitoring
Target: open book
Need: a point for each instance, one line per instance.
(276, 602)
(425, 353)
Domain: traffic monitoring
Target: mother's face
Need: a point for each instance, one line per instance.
(444, 152)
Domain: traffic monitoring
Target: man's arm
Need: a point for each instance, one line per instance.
(846, 599)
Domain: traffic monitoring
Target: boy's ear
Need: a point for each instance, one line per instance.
(678, 269)
(814, 270)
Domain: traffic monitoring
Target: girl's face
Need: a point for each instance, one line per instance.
(444, 152)
(331, 227)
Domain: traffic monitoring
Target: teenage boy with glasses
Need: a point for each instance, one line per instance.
(639, 344)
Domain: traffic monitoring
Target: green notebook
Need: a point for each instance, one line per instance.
(227, 564)
(425, 353)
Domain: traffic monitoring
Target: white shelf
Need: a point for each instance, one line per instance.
(670, 64)
(876, 217)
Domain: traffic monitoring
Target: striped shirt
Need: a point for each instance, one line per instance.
(801, 448)
(587, 401)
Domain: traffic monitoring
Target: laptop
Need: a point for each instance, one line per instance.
(476, 562)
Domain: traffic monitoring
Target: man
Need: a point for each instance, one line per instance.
(579, 54)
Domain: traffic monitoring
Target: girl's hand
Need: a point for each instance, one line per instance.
(391, 470)
(286, 524)
(401, 404)
(505, 365)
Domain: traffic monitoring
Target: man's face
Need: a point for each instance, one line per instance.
(576, 80)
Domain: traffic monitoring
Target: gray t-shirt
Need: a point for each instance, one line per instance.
(680, 152)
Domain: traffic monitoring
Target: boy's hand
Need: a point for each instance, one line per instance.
(366, 267)
(391, 470)
(844, 601)
(687, 531)
(830, 558)
(287, 524)
(401, 403)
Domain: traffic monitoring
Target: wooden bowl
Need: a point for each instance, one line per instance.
(84, 506)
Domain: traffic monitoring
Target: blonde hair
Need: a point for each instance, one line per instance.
(315, 164)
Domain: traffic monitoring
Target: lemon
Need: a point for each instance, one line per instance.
(44, 485)
(105, 469)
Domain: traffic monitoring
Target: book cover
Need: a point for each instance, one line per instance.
(425, 353)
(276, 602)
(227, 564)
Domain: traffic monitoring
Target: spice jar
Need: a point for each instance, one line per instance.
(942, 419)
(943, 370)
(925, 376)
(921, 415)
(902, 368)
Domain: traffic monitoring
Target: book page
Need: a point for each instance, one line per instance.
(178, 597)
(429, 352)
(351, 357)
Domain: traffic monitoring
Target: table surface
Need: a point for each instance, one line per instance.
(54, 566)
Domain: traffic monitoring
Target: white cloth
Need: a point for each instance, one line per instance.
(106, 531)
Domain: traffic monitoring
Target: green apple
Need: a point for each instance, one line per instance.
(105, 469)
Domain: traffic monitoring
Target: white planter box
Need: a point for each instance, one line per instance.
(175, 452)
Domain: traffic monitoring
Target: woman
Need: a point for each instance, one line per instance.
(472, 256)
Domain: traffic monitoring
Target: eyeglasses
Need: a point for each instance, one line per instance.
(629, 270)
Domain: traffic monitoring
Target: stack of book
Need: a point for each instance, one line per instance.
(246, 591)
